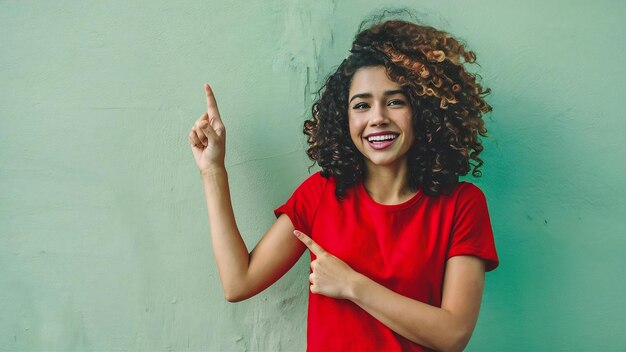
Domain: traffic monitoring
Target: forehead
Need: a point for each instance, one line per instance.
(371, 79)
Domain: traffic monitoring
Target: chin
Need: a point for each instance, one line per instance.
(383, 161)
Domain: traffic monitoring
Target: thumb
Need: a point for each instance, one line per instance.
(206, 127)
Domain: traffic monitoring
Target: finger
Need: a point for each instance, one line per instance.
(200, 135)
(204, 119)
(311, 245)
(211, 105)
(218, 127)
(311, 278)
(204, 129)
(208, 131)
(193, 139)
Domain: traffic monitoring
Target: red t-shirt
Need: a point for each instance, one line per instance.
(403, 247)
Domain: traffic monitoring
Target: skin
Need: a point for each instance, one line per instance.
(377, 104)
(243, 274)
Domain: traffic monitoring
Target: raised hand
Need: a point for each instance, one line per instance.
(330, 276)
(208, 136)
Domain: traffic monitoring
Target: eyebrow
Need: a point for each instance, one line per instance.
(369, 95)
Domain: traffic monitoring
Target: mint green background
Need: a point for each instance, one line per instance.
(104, 240)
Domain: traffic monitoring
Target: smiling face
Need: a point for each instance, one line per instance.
(379, 118)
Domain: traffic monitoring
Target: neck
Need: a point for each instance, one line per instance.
(387, 184)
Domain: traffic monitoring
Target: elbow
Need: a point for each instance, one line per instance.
(236, 290)
(455, 347)
(456, 342)
(234, 297)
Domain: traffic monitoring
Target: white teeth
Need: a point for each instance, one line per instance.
(381, 138)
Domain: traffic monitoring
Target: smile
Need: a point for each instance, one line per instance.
(382, 141)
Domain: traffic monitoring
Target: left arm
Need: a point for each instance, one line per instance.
(448, 328)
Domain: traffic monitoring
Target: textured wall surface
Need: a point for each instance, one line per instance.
(104, 241)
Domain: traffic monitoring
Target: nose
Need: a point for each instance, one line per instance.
(379, 116)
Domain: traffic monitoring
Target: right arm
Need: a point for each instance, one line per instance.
(243, 274)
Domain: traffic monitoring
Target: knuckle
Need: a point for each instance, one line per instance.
(201, 123)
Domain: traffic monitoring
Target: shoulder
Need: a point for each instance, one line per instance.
(315, 180)
(465, 195)
(469, 198)
(467, 190)
(314, 184)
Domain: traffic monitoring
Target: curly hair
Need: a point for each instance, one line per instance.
(447, 101)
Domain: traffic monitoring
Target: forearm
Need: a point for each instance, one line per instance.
(424, 324)
(229, 249)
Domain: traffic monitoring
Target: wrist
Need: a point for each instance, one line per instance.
(356, 286)
(212, 171)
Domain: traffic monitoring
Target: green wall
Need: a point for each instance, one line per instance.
(104, 240)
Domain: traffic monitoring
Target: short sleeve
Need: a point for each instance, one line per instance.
(471, 231)
(303, 204)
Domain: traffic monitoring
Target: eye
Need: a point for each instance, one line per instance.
(360, 106)
(396, 102)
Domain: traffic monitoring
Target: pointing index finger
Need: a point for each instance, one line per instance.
(313, 247)
(211, 104)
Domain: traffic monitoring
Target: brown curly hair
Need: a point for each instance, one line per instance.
(447, 101)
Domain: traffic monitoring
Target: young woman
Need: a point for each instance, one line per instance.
(399, 247)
